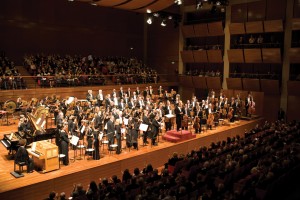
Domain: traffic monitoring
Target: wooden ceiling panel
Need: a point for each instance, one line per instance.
(254, 27)
(156, 6)
(271, 55)
(294, 55)
(237, 28)
(215, 29)
(252, 55)
(201, 30)
(234, 83)
(236, 55)
(135, 4)
(187, 56)
(110, 3)
(188, 31)
(215, 56)
(200, 56)
(273, 26)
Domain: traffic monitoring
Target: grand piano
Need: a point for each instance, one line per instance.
(38, 131)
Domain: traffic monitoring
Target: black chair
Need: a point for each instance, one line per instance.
(21, 165)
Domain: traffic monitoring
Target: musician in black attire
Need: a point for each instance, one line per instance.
(147, 122)
(179, 113)
(64, 144)
(89, 137)
(110, 131)
(118, 135)
(155, 129)
(22, 156)
(96, 155)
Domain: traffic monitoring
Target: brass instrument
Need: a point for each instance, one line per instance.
(10, 106)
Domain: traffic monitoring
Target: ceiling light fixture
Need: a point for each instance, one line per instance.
(149, 20)
(163, 23)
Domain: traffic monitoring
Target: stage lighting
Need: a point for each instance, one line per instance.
(163, 23)
(218, 3)
(199, 4)
(178, 2)
(149, 20)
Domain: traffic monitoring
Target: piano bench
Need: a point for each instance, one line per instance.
(21, 165)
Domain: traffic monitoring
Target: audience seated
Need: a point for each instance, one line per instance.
(58, 71)
(249, 167)
(10, 78)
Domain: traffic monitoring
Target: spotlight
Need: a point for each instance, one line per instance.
(163, 23)
(149, 11)
(178, 2)
(170, 17)
(199, 4)
(149, 20)
(156, 14)
(218, 3)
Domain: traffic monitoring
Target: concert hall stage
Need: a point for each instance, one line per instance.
(38, 186)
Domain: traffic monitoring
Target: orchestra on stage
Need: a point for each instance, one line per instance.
(126, 115)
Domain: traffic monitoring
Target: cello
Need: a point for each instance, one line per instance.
(210, 120)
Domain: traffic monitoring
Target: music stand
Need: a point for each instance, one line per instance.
(74, 141)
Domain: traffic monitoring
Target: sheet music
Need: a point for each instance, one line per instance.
(74, 140)
(105, 127)
(82, 129)
(126, 121)
(11, 136)
(169, 116)
(101, 136)
(33, 146)
(143, 127)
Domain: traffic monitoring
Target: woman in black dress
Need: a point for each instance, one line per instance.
(96, 155)
(118, 135)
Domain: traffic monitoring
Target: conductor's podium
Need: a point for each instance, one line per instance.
(45, 156)
(178, 136)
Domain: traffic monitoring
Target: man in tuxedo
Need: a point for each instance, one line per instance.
(129, 93)
(147, 122)
(137, 92)
(110, 131)
(89, 95)
(179, 114)
(121, 93)
(167, 110)
(146, 93)
(100, 98)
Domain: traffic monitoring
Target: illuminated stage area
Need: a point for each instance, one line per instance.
(37, 185)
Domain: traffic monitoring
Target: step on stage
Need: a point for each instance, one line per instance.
(38, 186)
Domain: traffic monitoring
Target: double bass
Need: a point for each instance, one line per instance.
(210, 120)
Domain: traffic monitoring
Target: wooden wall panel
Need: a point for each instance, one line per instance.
(251, 84)
(293, 108)
(199, 82)
(294, 55)
(271, 55)
(271, 106)
(270, 87)
(63, 93)
(187, 56)
(254, 27)
(234, 83)
(275, 9)
(213, 83)
(252, 55)
(201, 30)
(188, 31)
(200, 56)
(273, 26)
(296, 24)
(237, 28)
(186, 81)
(215, 56)
(215, 29)
(236, 55)
(293, 88)
(239, 13)
(256, 10)
(296, 9)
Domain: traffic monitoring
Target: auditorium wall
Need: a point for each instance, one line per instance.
(60, 26)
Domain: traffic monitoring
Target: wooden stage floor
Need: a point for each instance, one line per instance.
(37, 186)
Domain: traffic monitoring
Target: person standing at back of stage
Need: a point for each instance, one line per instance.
(64, 143)
(22, 156)
(118, 135)
(110, 131)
